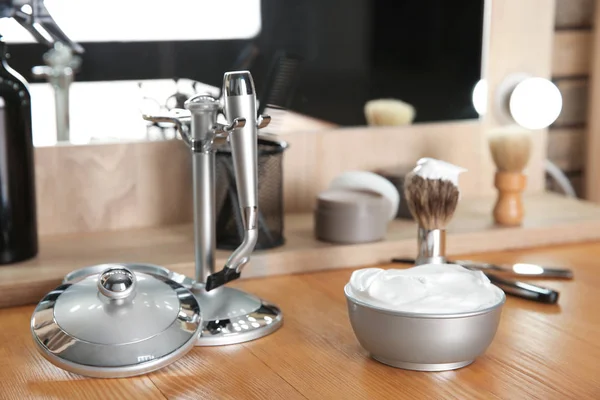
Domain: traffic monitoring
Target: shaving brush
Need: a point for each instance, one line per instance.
(511, 149)
(389, 112)
(431, 192)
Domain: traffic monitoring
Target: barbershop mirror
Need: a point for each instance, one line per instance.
(425, 54)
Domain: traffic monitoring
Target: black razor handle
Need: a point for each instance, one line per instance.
(524, 290)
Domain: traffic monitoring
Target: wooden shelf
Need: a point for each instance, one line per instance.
(550, 219)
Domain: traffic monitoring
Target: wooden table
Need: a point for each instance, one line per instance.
(540, 351)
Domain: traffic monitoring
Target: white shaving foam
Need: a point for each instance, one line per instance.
(425, 289)
(430, 168)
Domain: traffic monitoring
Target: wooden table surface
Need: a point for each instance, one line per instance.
(540, 351)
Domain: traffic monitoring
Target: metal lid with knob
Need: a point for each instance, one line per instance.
(117, 323)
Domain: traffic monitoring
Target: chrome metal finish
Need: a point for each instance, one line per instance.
(250, 216)
(78, 330)
(238, 83)
(61, 63)
(225, 308)
(149, 269)
(39, 23)
(232, 316)
(518, 270)
(204, 111)
(60, 73)
(240, 257)
(239, 101)
(423, 342)
(432, 246)
(263, 121)
(117, 282)
(421, 366)
(204, 214)
(236, 123)
(174, 117)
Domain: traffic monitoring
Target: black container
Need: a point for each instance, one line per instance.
(18, 226)
(230, 229)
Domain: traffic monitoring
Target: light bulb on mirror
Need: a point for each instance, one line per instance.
(535, 103)
(479, 97)
(530, 102)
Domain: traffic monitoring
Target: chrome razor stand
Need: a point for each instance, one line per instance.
(60, 72)
(229, 315)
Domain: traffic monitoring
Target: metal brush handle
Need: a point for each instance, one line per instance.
(432, 246)
(239, 101)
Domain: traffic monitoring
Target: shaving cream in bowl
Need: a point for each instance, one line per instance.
(433, 317)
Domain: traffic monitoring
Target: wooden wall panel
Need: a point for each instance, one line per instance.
(571, 53)
(301, 168)
(575, 100)
(592, 139)
(577, 180)
(566, 148)
(570, 69)
(112, 186)
(315, 158)
(574, 14)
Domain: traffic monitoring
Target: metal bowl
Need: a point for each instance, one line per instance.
(423, 342)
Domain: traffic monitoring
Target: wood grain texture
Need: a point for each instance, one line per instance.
(575, 102)
(102, 187)
(29, 376)
(146, 184)
(549, 219)
(229, 372)
(571, 54)
(540, 351)
(314, 159)
(592, 137)
(284, 122)
(574, 14)
(566, 148)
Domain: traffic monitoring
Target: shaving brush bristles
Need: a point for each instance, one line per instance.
(388, 112)
(431, 202)
(510, 148)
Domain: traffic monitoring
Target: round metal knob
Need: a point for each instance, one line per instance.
(201, 102)
(117, 282)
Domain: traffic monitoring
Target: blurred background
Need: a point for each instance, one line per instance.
(341, 54)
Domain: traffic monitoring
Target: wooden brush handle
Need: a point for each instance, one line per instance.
(509, 206)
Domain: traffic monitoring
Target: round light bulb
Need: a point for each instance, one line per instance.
(535, 103)
(479, 97)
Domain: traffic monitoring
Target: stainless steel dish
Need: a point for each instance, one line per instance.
(423, 342)
(116, 324)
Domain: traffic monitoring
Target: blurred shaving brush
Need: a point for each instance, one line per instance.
(511, 148)
(389, 112)
(432, 194)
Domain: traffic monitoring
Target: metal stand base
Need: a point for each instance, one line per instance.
(232, 316)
